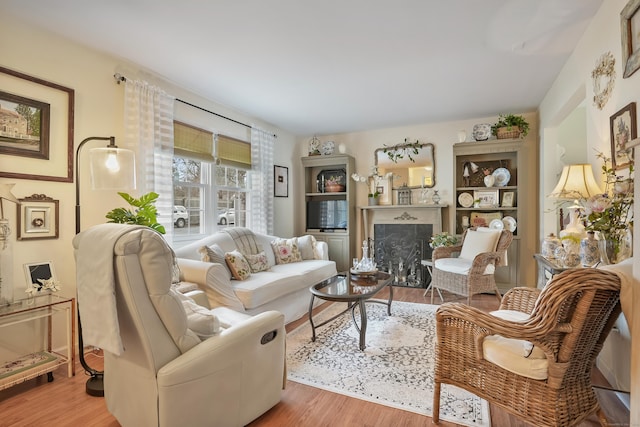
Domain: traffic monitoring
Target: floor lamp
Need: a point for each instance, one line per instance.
(111, 168)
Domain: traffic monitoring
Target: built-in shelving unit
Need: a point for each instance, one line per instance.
(519, 158)
(341, 240)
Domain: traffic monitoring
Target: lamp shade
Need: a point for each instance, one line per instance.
(112, 168)
(576, 182)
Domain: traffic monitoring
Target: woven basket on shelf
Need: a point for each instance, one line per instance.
(508, 132)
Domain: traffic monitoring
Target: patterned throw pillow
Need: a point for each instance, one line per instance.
(240, 269)
(214, 253)
(258, 262)
(286, 251)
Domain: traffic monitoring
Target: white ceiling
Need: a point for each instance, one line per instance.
(331, 66)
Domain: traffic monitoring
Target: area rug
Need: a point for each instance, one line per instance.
(396, 368)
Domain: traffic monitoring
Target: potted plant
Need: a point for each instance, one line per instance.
(144, 214)
(510, 126)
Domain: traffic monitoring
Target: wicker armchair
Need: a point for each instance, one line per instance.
(568, 321)
(478, 278)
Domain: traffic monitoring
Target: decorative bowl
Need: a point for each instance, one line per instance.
(334, 188)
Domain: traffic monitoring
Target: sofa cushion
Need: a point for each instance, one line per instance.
(214, 253)
(307, 247)
(518, 356)
(240, 269)
(281, 280)
(477, 242)
(459, 266)
(258, 262)
(286, 251)
(200, 320)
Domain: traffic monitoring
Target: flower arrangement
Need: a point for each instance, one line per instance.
(611, 213)
(442, 239)
(50, 284)
(372, 180)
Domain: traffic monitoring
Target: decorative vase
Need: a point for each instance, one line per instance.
(549, 246)
(373, 201)
(614, 249)
(489, 180)
(481, 131)
(462, 135)
(589, 251)
(607, 250)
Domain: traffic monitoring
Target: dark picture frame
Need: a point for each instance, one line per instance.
(38, 218)
(630, 35)
(25, 126)
(280, 181)
(623, 129)
(55, 104)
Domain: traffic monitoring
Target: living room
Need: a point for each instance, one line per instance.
(99, 112)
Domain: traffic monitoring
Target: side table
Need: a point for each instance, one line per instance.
(547, 268)
(428, 265)
(45, 360)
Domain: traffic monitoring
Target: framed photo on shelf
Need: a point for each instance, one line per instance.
(42, 138)
(507, 199)
(39, 270)
(281, 181)
(623, 129)
(38, 218)
(488, 198)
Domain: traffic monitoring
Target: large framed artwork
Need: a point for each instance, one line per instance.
(630, 34)
(36, 128)
(623, 129)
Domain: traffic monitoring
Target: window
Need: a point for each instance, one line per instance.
(203, 185)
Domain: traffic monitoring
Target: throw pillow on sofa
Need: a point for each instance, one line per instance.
(258, 262)
(214, 253)
(239, 266)
(286, 251)
(307, 247)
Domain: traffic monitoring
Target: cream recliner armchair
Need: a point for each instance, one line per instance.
(158, 372)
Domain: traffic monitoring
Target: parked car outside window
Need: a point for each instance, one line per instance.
(180, 216)
(227, 217)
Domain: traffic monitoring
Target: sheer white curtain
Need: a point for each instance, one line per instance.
(148, 115)
(262, 144)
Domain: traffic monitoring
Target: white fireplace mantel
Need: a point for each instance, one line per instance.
(402, 214)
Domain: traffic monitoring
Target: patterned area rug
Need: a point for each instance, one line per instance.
(396, 368)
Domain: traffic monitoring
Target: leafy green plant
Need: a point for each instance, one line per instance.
(509, 121)
(442, 239)
(145, 212)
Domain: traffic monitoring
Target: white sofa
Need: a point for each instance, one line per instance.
(284, 287)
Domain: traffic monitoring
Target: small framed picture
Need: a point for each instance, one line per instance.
(507, 199)
(281, 181)
(38, 270)
(37, 218)
(487, 198)
(623, 129)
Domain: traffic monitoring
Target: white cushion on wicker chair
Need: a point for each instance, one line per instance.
(459, 266)
(518, 356)
(477, 242)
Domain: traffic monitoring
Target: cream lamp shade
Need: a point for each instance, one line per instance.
(576, 182)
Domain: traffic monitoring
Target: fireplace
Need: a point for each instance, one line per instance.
(399, 248)
(401, 234)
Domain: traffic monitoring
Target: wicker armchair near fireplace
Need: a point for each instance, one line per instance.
(472, 271)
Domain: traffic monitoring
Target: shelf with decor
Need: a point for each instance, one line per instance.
(329, 205)
(505, 200)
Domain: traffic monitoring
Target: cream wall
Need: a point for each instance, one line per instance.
(362, 145)
(572, 86)
(98, 112)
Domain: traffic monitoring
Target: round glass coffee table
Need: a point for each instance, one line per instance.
(355, 290)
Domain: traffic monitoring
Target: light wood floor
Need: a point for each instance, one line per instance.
(63, 402)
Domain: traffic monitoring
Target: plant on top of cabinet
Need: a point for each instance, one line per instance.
(510, 126)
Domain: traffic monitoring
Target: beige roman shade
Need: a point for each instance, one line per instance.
(192, 142)
(233, 152)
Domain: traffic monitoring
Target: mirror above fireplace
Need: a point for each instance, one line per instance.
(420, 172)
